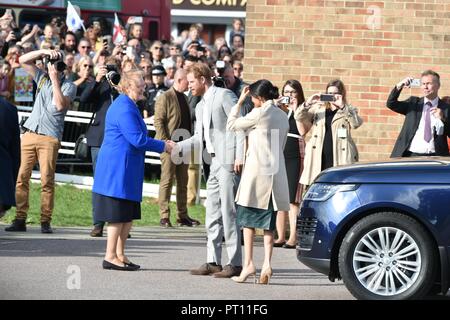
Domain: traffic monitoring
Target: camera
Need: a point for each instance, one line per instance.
(414, 83)
(285, 100)
(327, 97)
(112, 75)
(219, 81)
(58, 63)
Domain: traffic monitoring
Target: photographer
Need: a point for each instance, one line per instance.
(100, 93)
(43, 133)
(331, 118)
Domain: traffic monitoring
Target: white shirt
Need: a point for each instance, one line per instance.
(418, 143)
(207, 105)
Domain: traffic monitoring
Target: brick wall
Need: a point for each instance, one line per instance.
(370, 45)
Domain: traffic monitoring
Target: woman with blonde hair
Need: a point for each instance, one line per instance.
(119, 173)
(331, 118)
(84, 71)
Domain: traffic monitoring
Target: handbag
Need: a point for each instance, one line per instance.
(81, 148)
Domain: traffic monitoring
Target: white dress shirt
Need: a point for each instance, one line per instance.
(418, 143)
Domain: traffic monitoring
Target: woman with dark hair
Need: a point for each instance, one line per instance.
(331, 119)
(223, 51)
(263, 189)
(294, 153)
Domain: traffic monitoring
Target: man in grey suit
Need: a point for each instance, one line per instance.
(226, 151)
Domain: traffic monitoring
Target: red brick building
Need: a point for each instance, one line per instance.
(370, 45)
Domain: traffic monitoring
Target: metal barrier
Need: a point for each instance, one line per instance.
(75, 124)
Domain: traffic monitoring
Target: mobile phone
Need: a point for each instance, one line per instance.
(220, 64)
(415, 83)
(327, 97)
(285, 100)
(129, 51)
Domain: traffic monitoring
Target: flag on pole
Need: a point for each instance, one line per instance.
(118, 37)
(73, 20)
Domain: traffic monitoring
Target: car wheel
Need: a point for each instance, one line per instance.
(387, 256)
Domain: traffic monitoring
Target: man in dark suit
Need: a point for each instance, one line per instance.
(100, 93)
(9, 155)
(426, 126)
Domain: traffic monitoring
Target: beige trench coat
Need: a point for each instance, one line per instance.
(344, 148)
(264, 174)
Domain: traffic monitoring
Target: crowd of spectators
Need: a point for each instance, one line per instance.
(85, 52)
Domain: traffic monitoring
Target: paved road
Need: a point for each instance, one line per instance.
(67, 265)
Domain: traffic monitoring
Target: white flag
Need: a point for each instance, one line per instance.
(73, 20)
(118, 37)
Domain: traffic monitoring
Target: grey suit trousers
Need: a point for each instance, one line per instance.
(221, 216)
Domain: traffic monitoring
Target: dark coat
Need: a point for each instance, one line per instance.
(9, 152)
(412, 110)
(101, 96)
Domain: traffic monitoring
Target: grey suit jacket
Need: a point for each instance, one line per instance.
(228, 146)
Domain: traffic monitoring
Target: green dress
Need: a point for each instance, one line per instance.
(249, 217)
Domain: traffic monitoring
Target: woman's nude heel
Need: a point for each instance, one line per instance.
(266, 274)
(243, 277)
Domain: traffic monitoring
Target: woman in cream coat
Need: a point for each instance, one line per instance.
(331, 143)
(264, 187)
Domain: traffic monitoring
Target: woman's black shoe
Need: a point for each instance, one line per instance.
(132, 265)
(112, 266)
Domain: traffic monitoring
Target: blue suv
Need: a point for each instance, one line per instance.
(384, 228)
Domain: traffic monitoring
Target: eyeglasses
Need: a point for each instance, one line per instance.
(157, 48)
(86, 47)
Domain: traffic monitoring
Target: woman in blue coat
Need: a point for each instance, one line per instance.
(119, 173)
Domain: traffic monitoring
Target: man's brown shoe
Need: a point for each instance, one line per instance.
(97, 232)
(228, 272)
(206, 269)
(165, 222)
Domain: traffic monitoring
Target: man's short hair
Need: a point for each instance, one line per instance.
(432, 73)
(199, 70)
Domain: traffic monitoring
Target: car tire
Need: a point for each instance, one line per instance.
(378, 269)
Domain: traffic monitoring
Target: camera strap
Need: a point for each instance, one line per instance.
(41, 84)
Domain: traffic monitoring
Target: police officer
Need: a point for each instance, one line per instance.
(153, 92)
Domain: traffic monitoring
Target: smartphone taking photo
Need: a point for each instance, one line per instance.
(327, 98)
(415, 83)
(285, 100)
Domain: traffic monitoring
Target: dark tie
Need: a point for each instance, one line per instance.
(427, 127)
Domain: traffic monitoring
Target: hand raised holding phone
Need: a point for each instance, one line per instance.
(312, 100)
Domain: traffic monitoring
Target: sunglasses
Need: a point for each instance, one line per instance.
(88, 66)
(157, 48)
(86, 47)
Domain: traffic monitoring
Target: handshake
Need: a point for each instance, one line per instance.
(170, 146)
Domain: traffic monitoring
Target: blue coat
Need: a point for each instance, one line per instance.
(119, 171)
